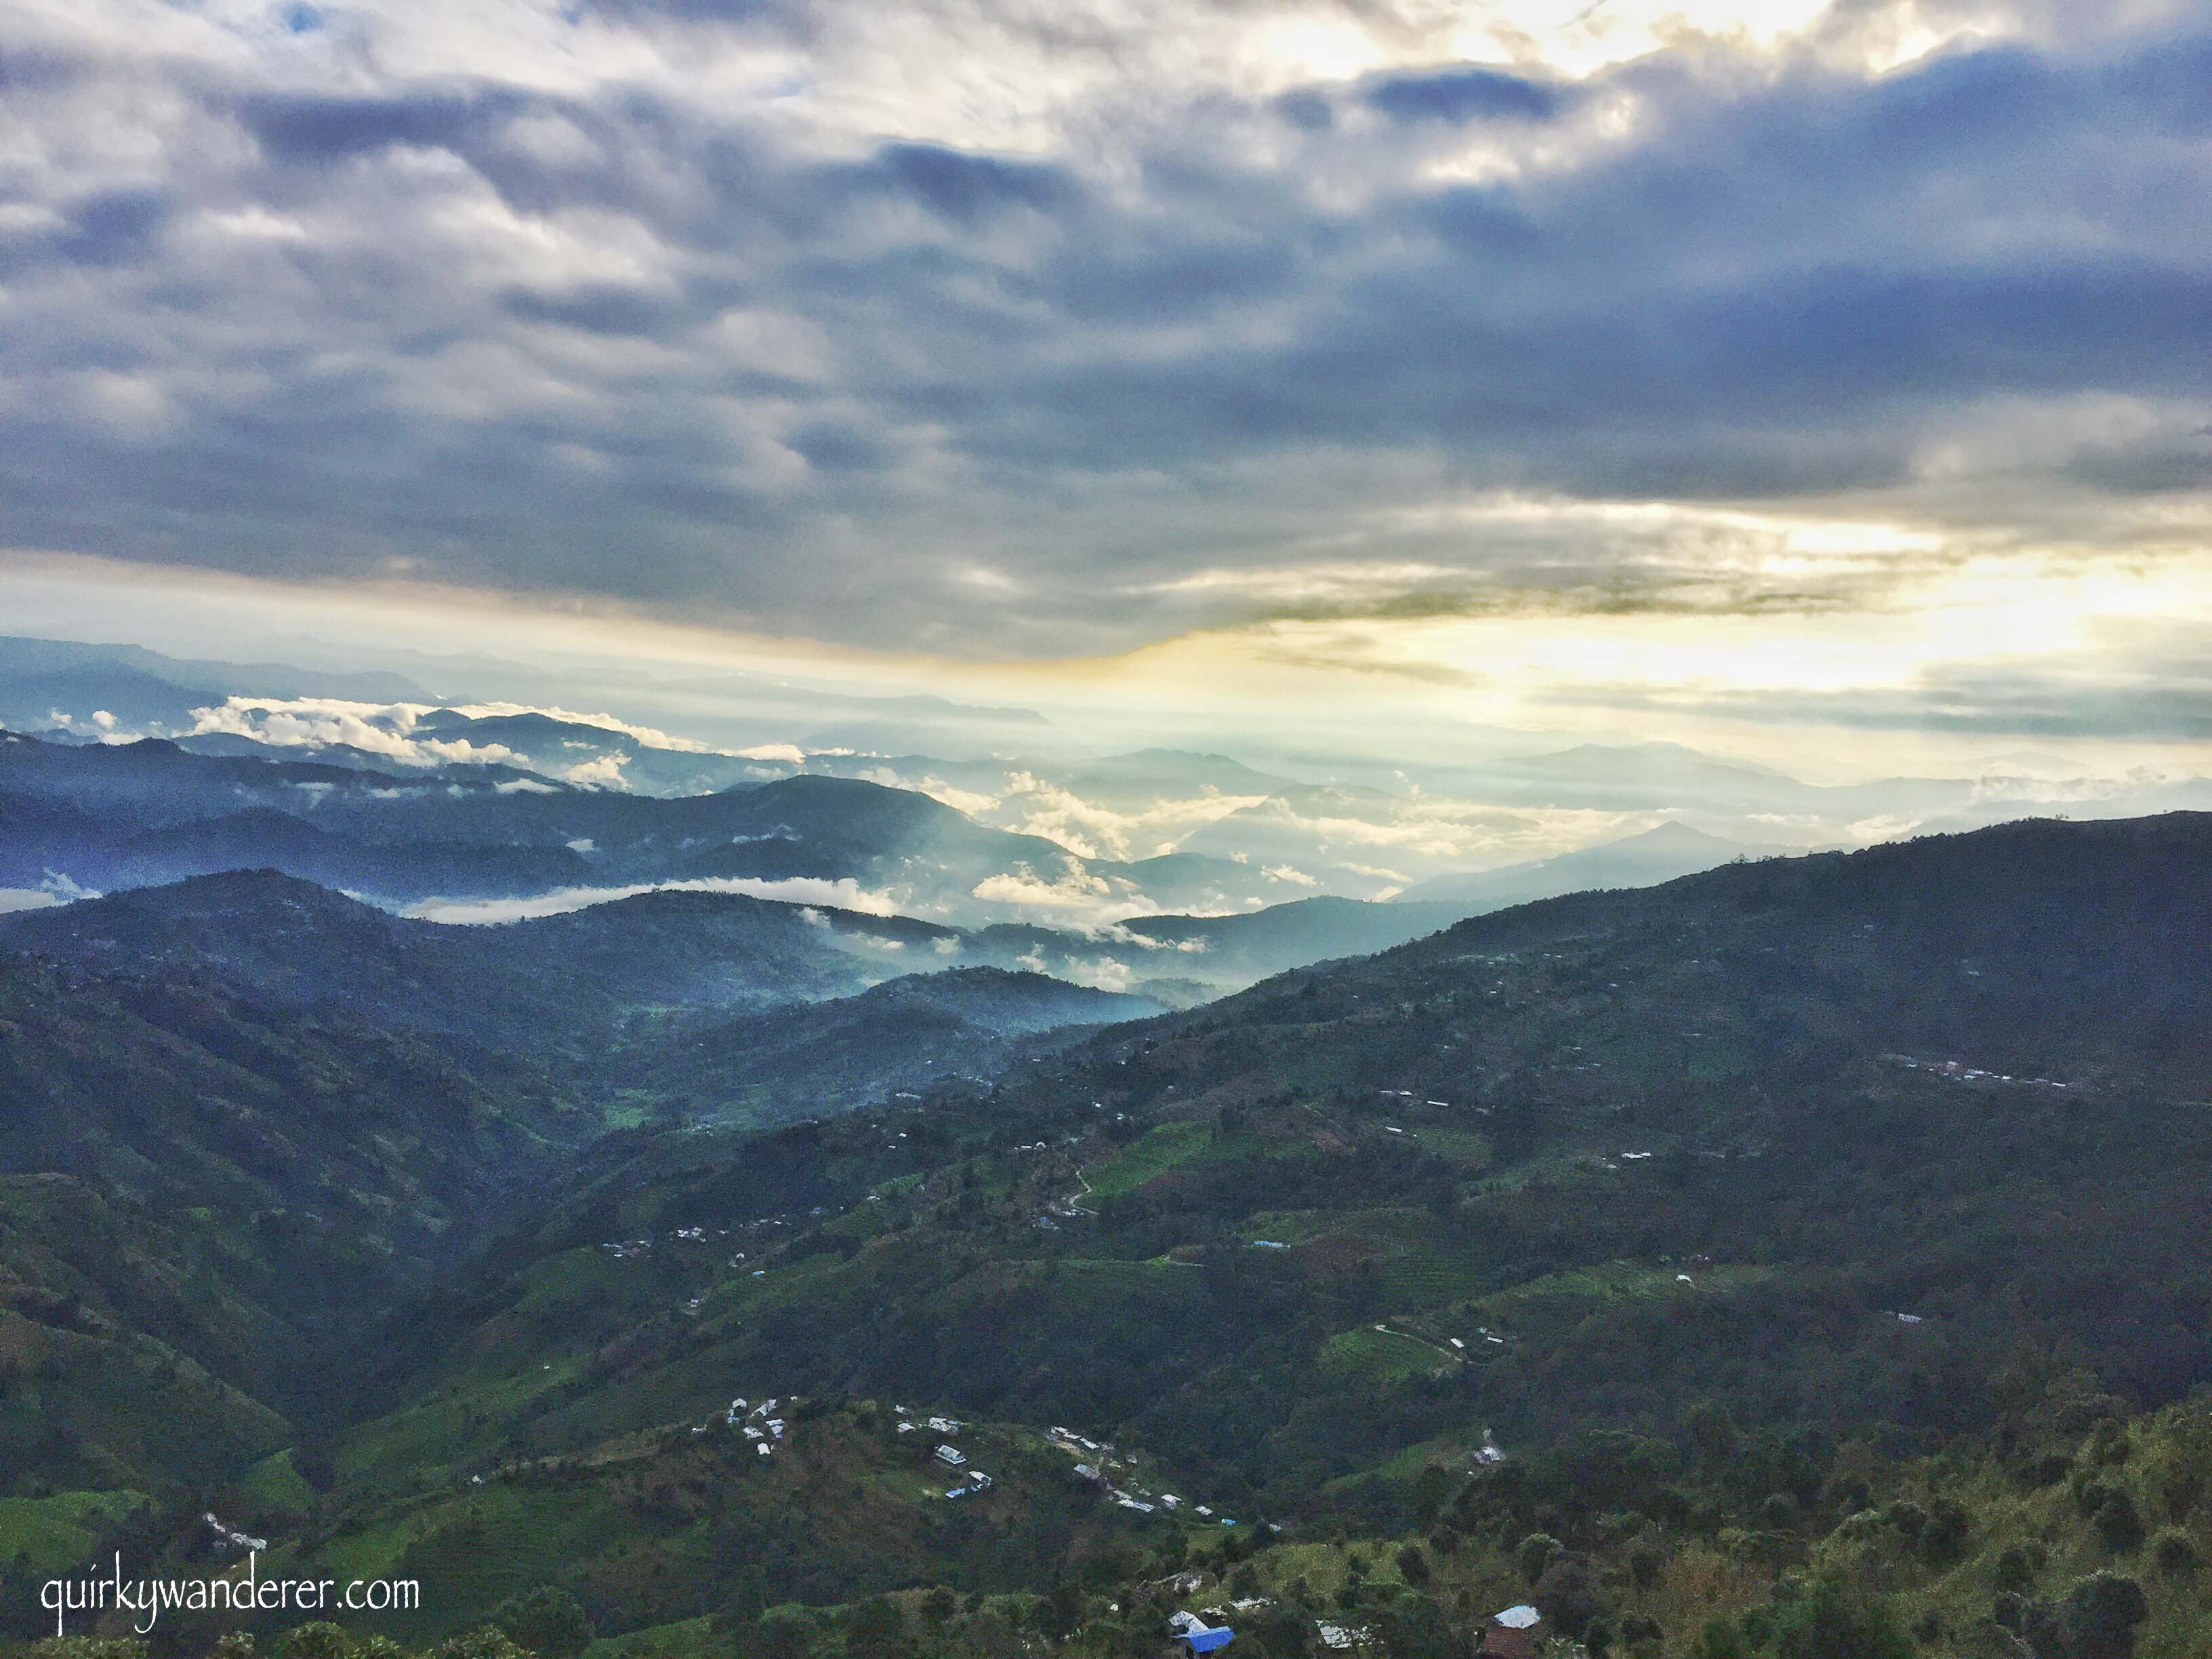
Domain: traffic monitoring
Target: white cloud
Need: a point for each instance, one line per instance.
(380, 729)
(1075, 899)
(1035, 806)
(56, 888)
(604, 773)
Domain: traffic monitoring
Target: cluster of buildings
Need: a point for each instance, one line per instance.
(226, 1539)
(1958, 1070)
(1515, 1633)
(972, 1481)
(1139, 1502)
(764, 1433)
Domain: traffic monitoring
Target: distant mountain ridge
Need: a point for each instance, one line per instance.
(1645, 859)
(547, 983)
(161, 813)
(911, 1033)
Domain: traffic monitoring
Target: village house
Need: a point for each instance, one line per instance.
(1203, 1638)
(1512, 1634)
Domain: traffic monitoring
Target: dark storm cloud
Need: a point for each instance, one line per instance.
(631, 339)
(1463, 95)
(321, 129)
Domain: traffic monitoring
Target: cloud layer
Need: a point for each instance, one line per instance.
(1022, 329)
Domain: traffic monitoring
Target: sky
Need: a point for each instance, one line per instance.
(1815, 382)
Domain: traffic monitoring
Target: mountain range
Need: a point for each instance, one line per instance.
(1802, 1228)
(415, 1135)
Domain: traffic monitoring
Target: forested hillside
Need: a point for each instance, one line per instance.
(1803, 1259)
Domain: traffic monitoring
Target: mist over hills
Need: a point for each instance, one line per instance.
(418, 1124)
(560, 981)
(1345, 828)
(922, 1031)
(1563, 1174)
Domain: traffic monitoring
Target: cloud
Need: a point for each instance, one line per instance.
(801, 317)
(407, 734)
(382, 730)
(1091, 830)
(56, 888)
(605, 772)
(1074, 898)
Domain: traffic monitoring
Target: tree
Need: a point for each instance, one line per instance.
(549, 1621)
(2174, 1552)
(1569, 1595)
(1827, 1622)
(20, 1612)
(1534, 1553)
(778, 1634)
(876, 1630)
(319, 1640)
(488, 1642)
(2120, 1523)
(2103, 1611)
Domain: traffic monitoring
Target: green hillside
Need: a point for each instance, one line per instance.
(1801, 1259)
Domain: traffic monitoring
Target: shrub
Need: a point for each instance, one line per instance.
(1827, 1622)
(1568, 1595)
(1535, 1554)
(320, 1640)
(489, 1642)
(2174, 1552)
(2103, 1611)
(1943, 1538)
(549, 1621)
(2120, 1523)
(2017, 1565)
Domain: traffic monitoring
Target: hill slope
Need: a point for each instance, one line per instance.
(556, 983)
(970, 1022)
(1820, 1240)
